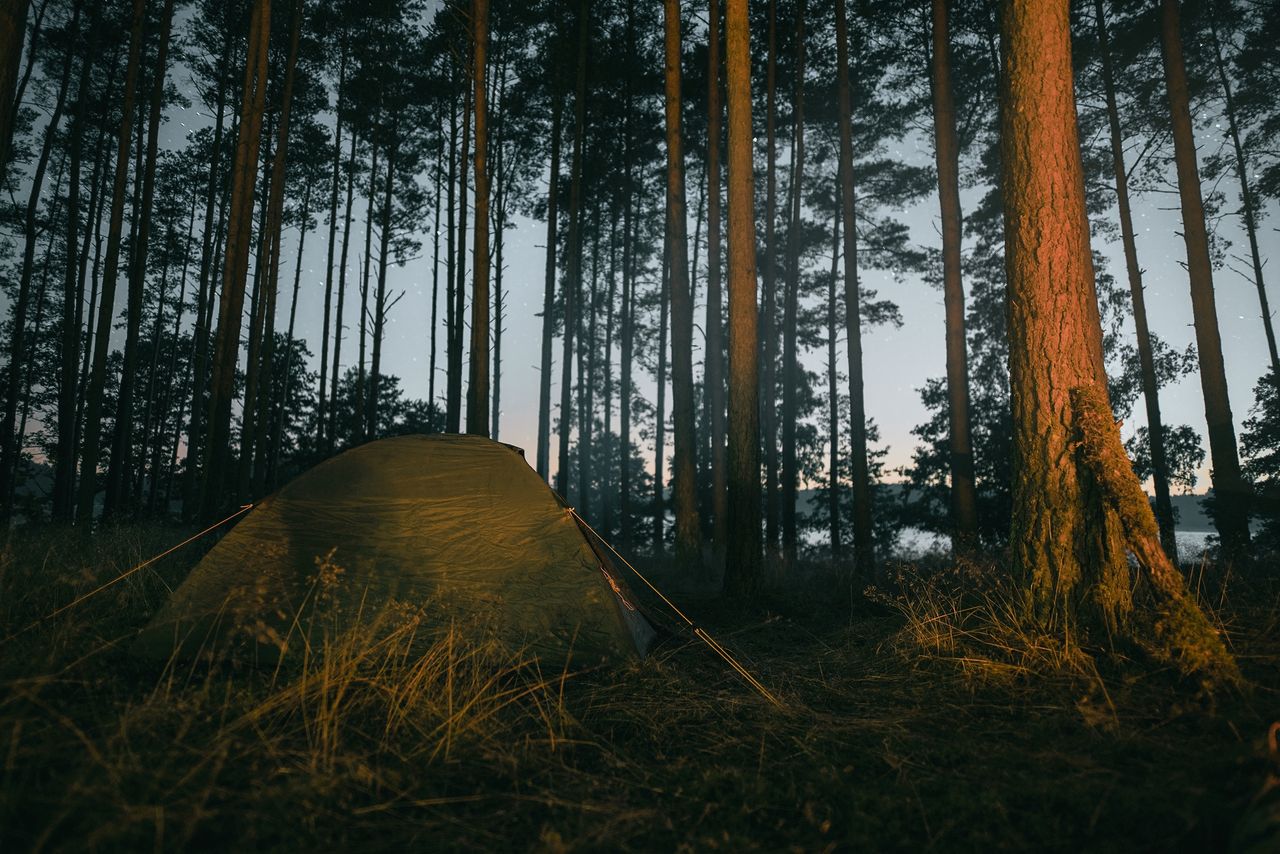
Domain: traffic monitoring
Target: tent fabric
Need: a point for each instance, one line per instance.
(457, 525)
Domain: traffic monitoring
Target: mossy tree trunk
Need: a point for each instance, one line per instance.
(1077, 504)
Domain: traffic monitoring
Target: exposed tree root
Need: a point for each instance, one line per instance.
(1180, 632)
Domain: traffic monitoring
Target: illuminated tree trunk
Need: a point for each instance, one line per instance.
(742, 558)
(863, 546)
(684, 485)
(964, 500)
(1150, 387)
(106, 313)
(1077, 505)
(1231, 493)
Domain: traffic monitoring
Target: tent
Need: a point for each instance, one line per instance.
(459, 527)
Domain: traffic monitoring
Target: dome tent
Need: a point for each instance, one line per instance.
(457, 525)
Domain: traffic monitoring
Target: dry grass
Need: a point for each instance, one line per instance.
(405, 734)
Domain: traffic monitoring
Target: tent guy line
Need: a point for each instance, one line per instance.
(244, 508)
(698, 631)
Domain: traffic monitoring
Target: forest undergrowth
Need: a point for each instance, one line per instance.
(924, 716)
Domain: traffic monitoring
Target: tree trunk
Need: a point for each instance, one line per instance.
(1150, 386)
(626, 348)
(204, 299)
(1249, 205)
(362, 378)
(1231, 492)
(768, 318)
(322, 394)
(573, 271)
(454, 412)
(660, 418)
(478, 378)
(106, 313)
(451, 282)
(380, 307)
(435, 274)
(13, 31)
(342, 297)
(11, 441)
(548, 293)
(833, 393)
(684, 474)
(790, 309)
(122, 448)
(713, 378)
(236, 263)
(64, 471)
(742, 558)
(863, 546)
(964, 499)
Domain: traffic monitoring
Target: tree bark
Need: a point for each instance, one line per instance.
(122, 449)
(342, 296)
(64, 464)
(236, 263)
(573, 271)
(92, 429)
(685, 459)
(1231, 492)
(627, 331)
(964, 499)
(1249, 204)
(205, 299)
(1150, 386)
(714, 371)
(768, 319)
(13, 31)
(742, 559)
(548, 290)
(322, 394)
(833, 393)
(453, 415)
(790, 309)
(863, 544)
(478, 378)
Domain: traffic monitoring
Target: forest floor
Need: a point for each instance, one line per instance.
(892, 735)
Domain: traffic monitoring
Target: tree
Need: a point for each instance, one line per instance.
(98, 372)
(13, 30)
(742, 555)
(1076, 510)
(478, 386)
(713, 379)
(1231, 505)
(236, 263)
(684, 485)
(1150, 384)
(964, 499)
(863, 545)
